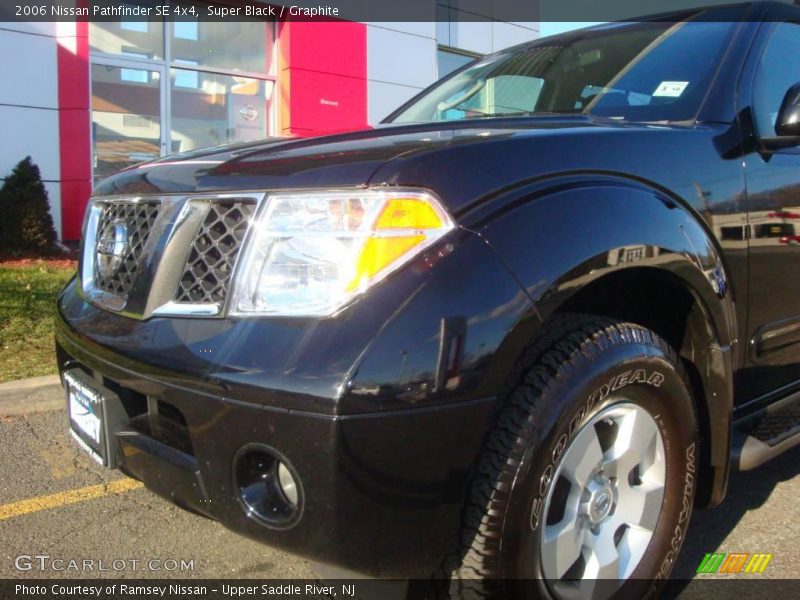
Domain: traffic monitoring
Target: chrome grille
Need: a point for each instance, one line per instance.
(117, 259)
(168, 255)
(213, 253)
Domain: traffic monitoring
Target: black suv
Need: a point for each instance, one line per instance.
(515, 332)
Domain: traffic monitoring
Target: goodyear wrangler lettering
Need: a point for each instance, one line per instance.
(680, 527)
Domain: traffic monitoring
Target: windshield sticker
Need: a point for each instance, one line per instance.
(670, 89)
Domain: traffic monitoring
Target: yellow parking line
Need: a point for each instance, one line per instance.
(24, 507)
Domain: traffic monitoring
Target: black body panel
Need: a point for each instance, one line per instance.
(381, 428)
(367, 479)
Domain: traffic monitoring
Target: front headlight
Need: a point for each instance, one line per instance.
(311, 253)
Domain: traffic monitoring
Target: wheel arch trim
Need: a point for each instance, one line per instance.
(679, 246)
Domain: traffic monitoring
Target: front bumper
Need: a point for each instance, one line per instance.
(382, 492)
(381, 411)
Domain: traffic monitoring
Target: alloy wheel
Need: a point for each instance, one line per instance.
(604, 504)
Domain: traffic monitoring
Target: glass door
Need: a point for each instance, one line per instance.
(127, 103)
(165, 87)
(208, 109)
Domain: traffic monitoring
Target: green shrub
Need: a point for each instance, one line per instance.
(25, 221)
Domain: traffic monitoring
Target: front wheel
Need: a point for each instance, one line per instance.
(586, 484)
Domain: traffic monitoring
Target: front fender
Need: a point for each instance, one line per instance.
(558, 238)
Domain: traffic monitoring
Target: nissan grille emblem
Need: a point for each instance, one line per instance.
(112, 247)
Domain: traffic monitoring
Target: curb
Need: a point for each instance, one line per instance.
(25, 396)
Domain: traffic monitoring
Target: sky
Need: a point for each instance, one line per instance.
(559, 27)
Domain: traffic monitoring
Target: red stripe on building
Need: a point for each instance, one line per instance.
(74, 125)
(322, 77)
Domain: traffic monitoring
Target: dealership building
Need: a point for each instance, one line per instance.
(87, 99)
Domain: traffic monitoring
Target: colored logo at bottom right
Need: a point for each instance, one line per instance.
(734, 562)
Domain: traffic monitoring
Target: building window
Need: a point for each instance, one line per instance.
(116, 38)
(126, 118)
(164, 87)
(134, 75)
(138, 26)
(185, 30)
(232, 46)
(219, 109)
(448, 60)
(186, 78)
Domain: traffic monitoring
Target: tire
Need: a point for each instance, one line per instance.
(584, 378)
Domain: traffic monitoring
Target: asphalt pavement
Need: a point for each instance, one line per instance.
(56, 502)
(39, 462)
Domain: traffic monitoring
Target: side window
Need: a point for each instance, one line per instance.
(510, 94)
(778, 70)
(502, 95)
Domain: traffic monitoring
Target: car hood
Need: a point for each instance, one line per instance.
(474, 155)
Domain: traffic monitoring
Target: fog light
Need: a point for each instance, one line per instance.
(288, 484)
(268, 487)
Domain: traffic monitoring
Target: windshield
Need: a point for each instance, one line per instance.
(641, 72)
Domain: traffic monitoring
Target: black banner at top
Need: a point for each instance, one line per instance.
(370, 10)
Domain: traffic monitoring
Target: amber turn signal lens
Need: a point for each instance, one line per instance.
(414, 216)
(408, 213)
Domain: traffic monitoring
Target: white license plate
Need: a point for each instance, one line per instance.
(85, 413)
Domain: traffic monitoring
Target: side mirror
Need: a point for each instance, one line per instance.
(787, 126)
(788, 123)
